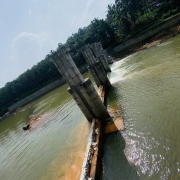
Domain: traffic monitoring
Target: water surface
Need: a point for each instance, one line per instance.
(147, 88)
(54, 150)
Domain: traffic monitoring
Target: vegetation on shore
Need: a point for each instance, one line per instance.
(125, 19)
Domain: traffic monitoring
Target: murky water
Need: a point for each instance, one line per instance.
(147, 88)
(54, 150)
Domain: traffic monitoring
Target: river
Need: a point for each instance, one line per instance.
(145, 87)
(54, 149)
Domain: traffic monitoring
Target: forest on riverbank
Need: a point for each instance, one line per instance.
(125, 19)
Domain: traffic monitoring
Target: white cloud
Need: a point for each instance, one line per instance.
(39, 38)
(29, 48)
(88, 5)
(26, 50)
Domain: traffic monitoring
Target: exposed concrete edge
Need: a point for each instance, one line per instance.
(90, 165)
(90, 162)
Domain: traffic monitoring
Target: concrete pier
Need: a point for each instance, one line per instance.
(66, 66)
(107, 57)
(95, 67)
(104, 52)
(88, 91)
(101, 74)
(80, 101)
(95, 76)
(82, 90)
(88, 54)
(99, 54)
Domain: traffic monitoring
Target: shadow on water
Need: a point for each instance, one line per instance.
(114, 158)
(111, 96)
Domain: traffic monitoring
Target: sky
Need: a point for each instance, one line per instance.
(29, 29)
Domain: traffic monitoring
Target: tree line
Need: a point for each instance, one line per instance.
(130, 18)
(124, 19)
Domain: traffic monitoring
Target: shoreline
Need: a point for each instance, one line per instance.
(150, 42)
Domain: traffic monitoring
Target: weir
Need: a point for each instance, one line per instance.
(88, 99)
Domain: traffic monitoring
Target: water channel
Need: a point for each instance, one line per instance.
(145, 87)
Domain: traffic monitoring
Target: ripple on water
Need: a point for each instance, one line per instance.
(147, 88)
(53, 148)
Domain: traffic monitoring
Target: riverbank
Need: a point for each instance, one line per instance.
(150, 42)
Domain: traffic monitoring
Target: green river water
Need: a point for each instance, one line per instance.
(147, 89)
(146, 86)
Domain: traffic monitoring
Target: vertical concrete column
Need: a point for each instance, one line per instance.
(104, 52)
(95, 50)
(94, 75)
(94, 101)
(96, 68)
(88, 55)
(107, 57)
(82, 91)
(101, 74)
(81, 103)
(100, 55)
(66, 66)
(100, 46)
(104, 61)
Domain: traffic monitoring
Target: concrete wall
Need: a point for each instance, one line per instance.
(148, 34)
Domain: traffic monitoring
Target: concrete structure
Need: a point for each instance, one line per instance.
(91, 168)
(81, 89)
(99, 54)
(92, 164)
(104, 52)
(107, 57)
(95, 67)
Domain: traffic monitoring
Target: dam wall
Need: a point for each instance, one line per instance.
(150, 33)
